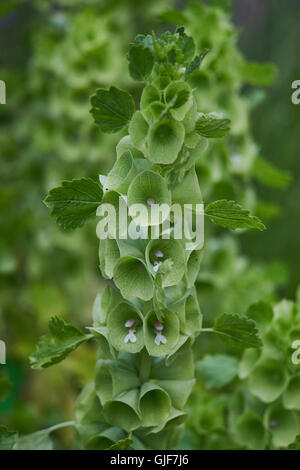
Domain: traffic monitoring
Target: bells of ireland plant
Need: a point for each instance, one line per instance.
(146, 319)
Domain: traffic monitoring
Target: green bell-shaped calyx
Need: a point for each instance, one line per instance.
(123, 411)
(248, 362)
(138, 129)
(268, 380)
(282, 424)
(113, 377)
(178, 95)
(106, 439)
(108, 256)
(250, 431)
(291, 396)
(125, 328)
(122, 173)
(165, 141)
(188, 311)
(154, 404)
(146, 190)
(161, 337)
(133, 279)
(194, 259)
(158, 251)
(150, 95)
(126, 145)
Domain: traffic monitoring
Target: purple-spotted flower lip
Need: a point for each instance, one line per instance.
(158, 326)
(130, 322)
(158, 254)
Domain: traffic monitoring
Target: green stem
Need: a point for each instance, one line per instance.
(207, 330)
(145, 365)
(60, 426)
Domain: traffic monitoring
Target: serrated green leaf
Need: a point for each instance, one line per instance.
(52, 348)
(217, 370)
(141, 62)
(196, 62)
(230, 214)
(74, 202)
(212, 125)
(112, 109)
(237, 331)
(269, 175)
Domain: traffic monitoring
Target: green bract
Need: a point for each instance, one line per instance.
(165, 141)
(149, 188)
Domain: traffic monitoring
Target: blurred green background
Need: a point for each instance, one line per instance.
(54, 55)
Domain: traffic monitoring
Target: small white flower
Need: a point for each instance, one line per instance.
(159, 338)
(130, 337)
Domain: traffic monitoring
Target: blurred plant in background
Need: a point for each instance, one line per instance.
(251, 403)
(70, 50)
(62, 51)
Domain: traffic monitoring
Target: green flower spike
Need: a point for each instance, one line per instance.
(125, 328)
(145, 330)
(178, 96)
(161, 337)
(165, 141)
(133, 279)
(149, 188)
